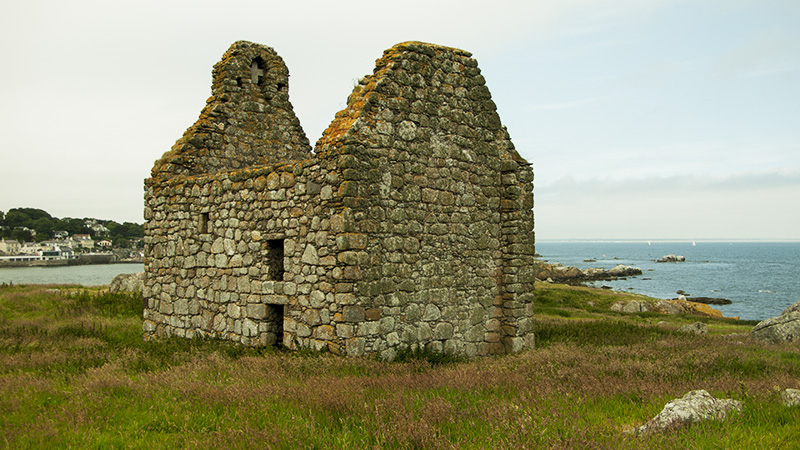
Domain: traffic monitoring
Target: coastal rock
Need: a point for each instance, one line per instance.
(784, 328)
(667, 307)
(697, 328)
(698, 309)
(695, 406)
(790, 397)
(671, 258)
(621, 270)
(632, 306)
(568, 274)
(710, 300)
(127, 282)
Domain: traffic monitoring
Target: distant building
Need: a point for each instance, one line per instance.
(83, 240)
(46, 250)
(98, 228)
(9, 247)
(32, 248)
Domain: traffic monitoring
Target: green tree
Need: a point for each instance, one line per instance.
(134, 230)
(73, 226)
(43, 226)
(121, 242)
(21, 235)
(15, 218)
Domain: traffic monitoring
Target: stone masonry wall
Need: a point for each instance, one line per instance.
(216, 281)
(247, 121)
(446, 201)
(412, 226)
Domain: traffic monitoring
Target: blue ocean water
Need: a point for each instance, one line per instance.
(760, 278)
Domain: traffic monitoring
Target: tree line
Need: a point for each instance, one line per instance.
(31, 224)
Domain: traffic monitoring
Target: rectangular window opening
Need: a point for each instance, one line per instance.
(275, 259)
(203, 223)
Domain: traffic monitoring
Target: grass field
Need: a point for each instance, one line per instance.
(75, 373)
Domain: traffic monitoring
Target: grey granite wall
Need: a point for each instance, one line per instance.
(411, 226)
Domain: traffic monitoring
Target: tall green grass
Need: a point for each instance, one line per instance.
(76, 373)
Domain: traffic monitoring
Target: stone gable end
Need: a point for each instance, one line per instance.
(411, 225)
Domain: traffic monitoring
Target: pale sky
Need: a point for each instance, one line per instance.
(643, 119)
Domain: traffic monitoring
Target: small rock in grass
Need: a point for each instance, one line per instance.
(791, 397)
(695, 406)
(698, 328)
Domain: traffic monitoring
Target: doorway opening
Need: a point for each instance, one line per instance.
(274, 321)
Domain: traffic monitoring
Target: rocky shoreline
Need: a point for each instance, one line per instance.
(683, 304)
(556, 273)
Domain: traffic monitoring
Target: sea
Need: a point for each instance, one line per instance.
(86, 275)
(761, 279)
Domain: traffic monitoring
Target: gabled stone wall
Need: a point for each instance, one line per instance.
(445, 199)
(247, 121)
(411, 226)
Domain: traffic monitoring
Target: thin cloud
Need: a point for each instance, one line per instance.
(749, 181)
(569, 105)
(765, 55)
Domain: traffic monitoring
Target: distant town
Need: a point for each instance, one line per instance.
(30, 237)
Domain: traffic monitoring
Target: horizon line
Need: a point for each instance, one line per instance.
(660, 240)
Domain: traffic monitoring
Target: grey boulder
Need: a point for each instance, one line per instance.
(695, 406)
(127, 282)
(784, 328)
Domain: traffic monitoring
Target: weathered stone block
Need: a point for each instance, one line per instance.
(431, 313)
(181, 306)
(325, 332)
(355, 346)
(256, 311)
(353, 314)
(372, 314)
(443, 330)
(344, 331)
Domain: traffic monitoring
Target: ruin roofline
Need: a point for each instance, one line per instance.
(199, 141)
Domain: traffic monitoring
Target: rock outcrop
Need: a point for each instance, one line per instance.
(127, 282)
(667, 307)
(558, 273)
(697, 328)
(784, 328)
(671, 258)
(695, 406)
(708, 300)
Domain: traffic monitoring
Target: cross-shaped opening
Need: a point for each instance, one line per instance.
(256, 71)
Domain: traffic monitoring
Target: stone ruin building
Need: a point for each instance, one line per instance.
(409, 225)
